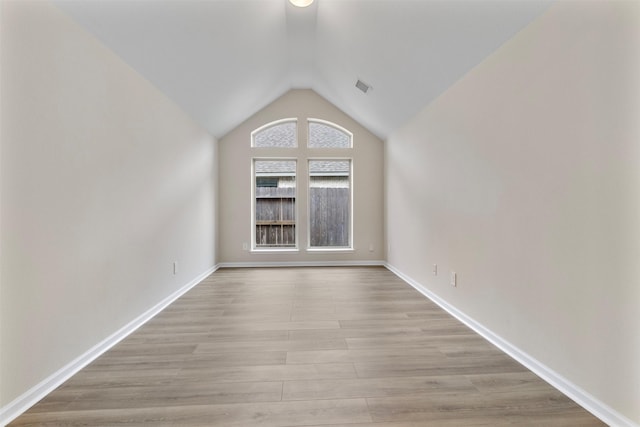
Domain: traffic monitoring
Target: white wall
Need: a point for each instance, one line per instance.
(105, 183)
(524, 178)
(235, 183)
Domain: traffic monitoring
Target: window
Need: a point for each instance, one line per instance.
(274, 218)
(278, 134)
(328, 135)
(275, 203)
(330, 203)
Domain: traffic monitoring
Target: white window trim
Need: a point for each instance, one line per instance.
(333, 125)
(275, 123)
(325, 249)
(254, 248)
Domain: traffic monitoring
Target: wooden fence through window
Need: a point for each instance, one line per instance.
(329, 217)
(276, 221)
(275, 217)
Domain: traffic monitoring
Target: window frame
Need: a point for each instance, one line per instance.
(349, 247)
(296, 210)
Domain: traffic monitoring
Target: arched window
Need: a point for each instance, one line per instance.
(278, 134)
(324, 134)
(328, 182)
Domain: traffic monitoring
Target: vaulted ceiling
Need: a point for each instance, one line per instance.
(223, 60)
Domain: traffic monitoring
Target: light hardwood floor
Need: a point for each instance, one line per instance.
(303, 347)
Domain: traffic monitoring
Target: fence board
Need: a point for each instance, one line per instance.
(329, 216)
(275, 220)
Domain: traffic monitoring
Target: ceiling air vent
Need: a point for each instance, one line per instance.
(363, 86)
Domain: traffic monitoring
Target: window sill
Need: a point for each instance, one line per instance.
(330, 249)
(272, 250)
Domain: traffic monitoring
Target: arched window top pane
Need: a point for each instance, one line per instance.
(280, 134)
(328, 135)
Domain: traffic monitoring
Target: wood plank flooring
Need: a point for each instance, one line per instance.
(290, 347)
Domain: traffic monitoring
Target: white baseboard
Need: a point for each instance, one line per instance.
(599, 409)
(302, 264)
(36, 393)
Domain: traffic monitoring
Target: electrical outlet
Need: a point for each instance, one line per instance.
(435, 269)
(245, 246)
(370, 247)
(454, 279)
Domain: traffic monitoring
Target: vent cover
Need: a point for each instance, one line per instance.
(364, 87)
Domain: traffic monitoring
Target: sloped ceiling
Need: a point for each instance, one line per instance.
(223, 60)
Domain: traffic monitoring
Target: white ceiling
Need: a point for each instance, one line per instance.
(223, 60)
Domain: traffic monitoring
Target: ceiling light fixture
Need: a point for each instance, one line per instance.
(301, 3)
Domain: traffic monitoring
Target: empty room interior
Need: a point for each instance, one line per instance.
(390, 213)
